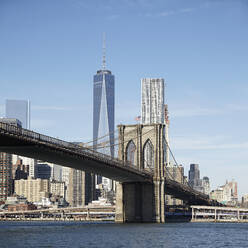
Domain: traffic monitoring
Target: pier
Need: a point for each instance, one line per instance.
(219, 214)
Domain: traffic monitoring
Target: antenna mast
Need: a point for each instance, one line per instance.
(104, 52)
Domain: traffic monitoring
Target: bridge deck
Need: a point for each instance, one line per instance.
(27, 143)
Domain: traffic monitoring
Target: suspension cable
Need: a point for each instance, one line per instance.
(99, 138)
(175, 161)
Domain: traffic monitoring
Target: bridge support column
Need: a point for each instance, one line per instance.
(140, 202)
(159, 206)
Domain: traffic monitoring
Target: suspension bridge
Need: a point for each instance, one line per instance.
(141, 184)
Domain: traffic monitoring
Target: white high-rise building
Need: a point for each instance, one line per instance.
(152, 102)
(153, 109)
(32, 165)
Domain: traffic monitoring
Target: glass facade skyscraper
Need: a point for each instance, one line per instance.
(19, 109)
(104, 110)
(104, 117)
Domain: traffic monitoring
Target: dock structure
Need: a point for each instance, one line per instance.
(61, 214)
(219, 214)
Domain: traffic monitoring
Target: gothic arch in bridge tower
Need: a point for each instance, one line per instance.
(148, 155)
(130, 152)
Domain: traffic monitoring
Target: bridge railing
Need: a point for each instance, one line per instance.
(187, 188)
(31, 135)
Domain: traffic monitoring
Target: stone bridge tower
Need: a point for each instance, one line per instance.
(143, 147)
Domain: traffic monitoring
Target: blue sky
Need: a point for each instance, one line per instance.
(50, 50)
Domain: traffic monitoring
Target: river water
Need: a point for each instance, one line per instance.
(108, 235)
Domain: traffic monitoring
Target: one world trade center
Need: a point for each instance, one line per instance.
(104, 113)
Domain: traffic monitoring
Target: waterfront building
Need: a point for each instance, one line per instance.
(57, 188)
(43, 171)
(21, 207)
(77, 191)
(104, 114)
(32, 164)
(32, 189)
(244, 202)
(5, 176)
(206, 185)
(152, 101)
(226, 194)
(19, 170)
(14, 199)
(6, 183)
(217, 194)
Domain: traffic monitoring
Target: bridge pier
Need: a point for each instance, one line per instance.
(140, 202)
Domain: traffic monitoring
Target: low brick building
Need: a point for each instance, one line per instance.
(21, 207)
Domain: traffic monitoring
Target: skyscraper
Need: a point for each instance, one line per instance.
(194, 177)
(77, 190)
(19, 109)
(152, 102)
(104, 110)
(206, 185)
(104, 107)
(153, 109)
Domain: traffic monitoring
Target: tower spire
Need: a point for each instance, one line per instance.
(104, 52)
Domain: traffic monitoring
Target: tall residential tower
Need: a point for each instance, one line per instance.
(152, 103)
(153, 109)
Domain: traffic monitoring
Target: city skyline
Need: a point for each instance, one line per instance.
(206, 75)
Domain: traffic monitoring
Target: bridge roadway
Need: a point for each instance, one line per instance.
(27, 143)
